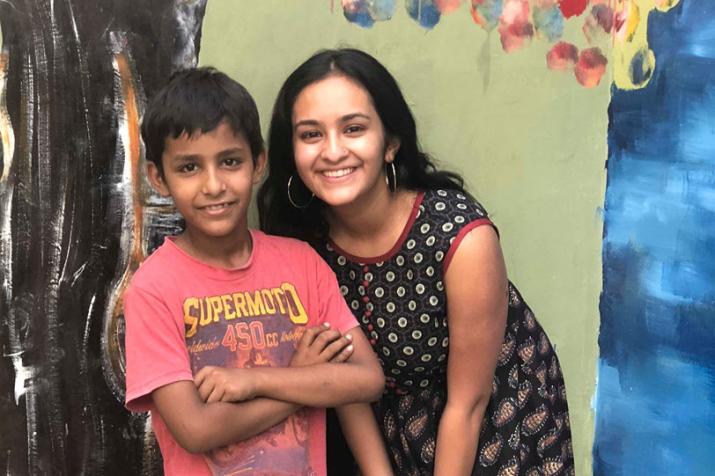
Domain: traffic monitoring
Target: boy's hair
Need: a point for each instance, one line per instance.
(197, 100)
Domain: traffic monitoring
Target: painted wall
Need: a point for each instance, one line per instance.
(530, 142)
(655, 409)
(513, 94)
(75, 220)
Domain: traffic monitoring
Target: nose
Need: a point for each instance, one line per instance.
(334, 148)
(213, 182)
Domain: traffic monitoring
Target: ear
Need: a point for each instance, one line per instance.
(156, 179)
(393, 145)
(259, 168)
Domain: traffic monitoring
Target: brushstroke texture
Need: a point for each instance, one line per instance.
(655, 401)
(64, 203)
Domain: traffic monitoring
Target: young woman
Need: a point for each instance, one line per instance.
(473, 384)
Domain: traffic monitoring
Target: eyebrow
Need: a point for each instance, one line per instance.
(345, 118)
(220, 155)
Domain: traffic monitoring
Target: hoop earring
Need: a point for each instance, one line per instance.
(392, 186)
(290, 199)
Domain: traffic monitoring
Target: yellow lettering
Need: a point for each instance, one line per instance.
(295, 307)
(206, 314)
(268, 301)
(229, 313)
(239, 303)
(279, 299)
(255, 304)
(216, 307)
(190, 320)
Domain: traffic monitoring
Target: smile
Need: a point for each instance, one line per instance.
(338, 173)
(216, 208)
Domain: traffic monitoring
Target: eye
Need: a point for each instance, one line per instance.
(188, 168)
(354, 129)
(231, 162)
(310, 135)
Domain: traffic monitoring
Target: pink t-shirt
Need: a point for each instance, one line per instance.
(182, 315)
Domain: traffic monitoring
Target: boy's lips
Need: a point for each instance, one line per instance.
(216, 208)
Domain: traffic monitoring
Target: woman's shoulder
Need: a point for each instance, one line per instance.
(452, 205)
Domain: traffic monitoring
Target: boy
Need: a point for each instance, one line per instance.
(215, 315)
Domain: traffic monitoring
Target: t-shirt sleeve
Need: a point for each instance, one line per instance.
(155, 348)
(333, 308)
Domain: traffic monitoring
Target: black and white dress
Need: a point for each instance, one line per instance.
(400, 302)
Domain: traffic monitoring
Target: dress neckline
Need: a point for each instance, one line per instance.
(395, 248)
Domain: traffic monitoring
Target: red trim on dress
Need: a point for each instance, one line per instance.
(460, 236)
(398, 244)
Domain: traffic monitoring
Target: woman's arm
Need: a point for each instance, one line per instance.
(364, 438)
(476, 288)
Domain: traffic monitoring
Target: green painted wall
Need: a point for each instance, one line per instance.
(530, 142)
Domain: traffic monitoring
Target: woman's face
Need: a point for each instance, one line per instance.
(339, 141)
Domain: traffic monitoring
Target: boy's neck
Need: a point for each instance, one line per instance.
(227, 252)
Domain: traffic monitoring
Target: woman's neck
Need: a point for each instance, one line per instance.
(373, 226)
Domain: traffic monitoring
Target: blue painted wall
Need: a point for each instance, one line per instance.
(655, 399)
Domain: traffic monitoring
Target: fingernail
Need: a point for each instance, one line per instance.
(349, 348)
(326, 325)
(348, 337)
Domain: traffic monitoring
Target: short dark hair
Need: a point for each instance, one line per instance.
(198, 100)
(415, 170)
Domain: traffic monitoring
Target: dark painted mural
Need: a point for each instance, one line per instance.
(76, 218)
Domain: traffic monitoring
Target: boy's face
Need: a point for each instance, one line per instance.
(210, 177)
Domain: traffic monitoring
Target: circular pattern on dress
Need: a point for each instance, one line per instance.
(411, 336)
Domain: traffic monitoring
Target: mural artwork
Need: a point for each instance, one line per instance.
(656, 377)
(76, 219)
(77, 216)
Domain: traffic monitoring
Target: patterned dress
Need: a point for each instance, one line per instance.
(400, 302)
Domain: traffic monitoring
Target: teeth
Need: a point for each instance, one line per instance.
(216, 207)
(338, 173)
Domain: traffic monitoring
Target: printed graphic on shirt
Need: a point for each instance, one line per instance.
(245, 329)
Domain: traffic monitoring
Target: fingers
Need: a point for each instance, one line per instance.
(216, 395)
(310, 334)
(343, 355)
(338, 346)
(325, 338)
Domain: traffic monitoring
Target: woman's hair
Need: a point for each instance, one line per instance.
(414, 169)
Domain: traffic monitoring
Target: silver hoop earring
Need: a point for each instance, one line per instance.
(290, 199)
(392, 186)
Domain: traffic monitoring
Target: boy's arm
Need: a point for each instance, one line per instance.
(364, 438)
(359, 379)
(199, 427)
